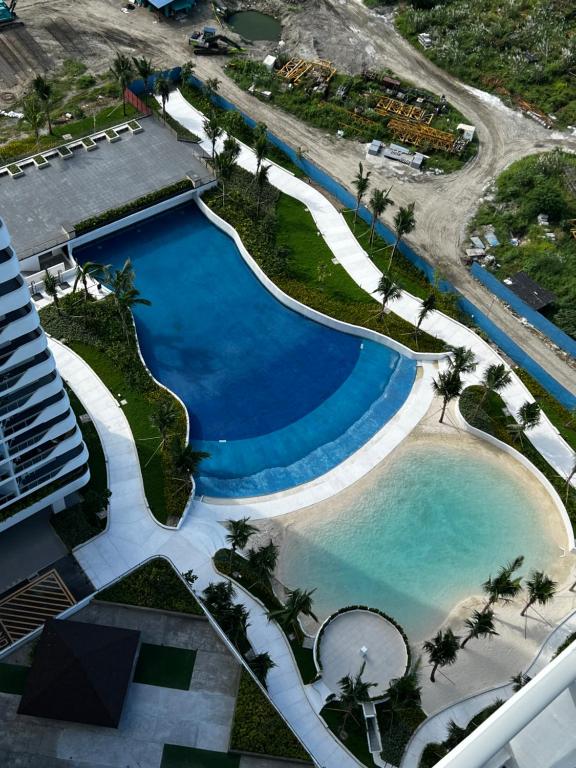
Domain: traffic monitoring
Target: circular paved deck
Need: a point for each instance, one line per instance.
(341, 645)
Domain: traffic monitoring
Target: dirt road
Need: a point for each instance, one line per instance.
(349, 35)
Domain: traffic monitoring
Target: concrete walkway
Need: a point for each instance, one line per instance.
(350, 254)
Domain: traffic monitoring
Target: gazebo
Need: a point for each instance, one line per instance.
(81, 673)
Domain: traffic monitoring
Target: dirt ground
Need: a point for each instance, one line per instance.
(345, 32)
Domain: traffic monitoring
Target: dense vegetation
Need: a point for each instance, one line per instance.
(517, 48)
(491, 418)
(538, 184)
(153, 585)
(348, 105)
(569, 640)
(108, 344)
(259, 729)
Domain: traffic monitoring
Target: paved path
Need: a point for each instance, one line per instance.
(350, 254)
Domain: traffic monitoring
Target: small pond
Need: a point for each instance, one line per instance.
(254, 25)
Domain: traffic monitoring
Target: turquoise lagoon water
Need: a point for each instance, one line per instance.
(275, 398)
(418, 537)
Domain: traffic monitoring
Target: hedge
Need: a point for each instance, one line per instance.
(154, 585)
(259, 729)
(113, 214)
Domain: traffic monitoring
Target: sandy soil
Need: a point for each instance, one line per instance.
(351, 36)
(483, 663)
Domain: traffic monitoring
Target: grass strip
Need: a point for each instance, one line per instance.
(165, 666)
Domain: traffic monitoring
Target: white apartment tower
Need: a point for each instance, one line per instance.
(43, 458)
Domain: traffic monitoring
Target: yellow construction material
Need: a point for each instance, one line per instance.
(419, 135)
(295, 69)
(388, 106)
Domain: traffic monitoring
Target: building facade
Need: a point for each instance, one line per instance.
(43, 458)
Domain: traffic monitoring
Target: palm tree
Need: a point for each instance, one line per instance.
(442, 650)
(261, 665)
(122, 72)
(299, 601)
(239, 533)
(98, 499)
(43, 90)
(186, 459)
(403, 694)
(234, 622)
(519, 681)
(144, 68)
(463, 360)
(163, 417)
(390, 291)
(83, 272)
(121, 279)
(480, 624)
(361, 182)
(213, 131)
(569, 480)
(260, 149)
(353, 693)
(51, 288)
(504, 586)
(379, 201)
(211, 86)
(263, 562)
(163, 88)
(528, 417)
(404, 223)
(261, 180)
(127, 300)
(34, 114)
(187, 69)
(496, 378)
(225, 165)
(428, 304)
(448, 386)
(217, 597)
(541, 589)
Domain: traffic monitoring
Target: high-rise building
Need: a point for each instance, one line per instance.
(43, 458)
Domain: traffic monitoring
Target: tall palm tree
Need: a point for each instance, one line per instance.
(263, 561)
(569, 477)
(126, 301)
(299, 602)
(43, 89)
(428, 304)
(261, 181)
(211, 86)
(83, 272)
(234, 622)
(51, 288)
(225, 165)
(187, 69)
(353, 693)
(389, 291)
(404, 223)
(496, 378)
(541, 589)
(260, 149)
(144, 68)
(163, 418)
(379, 201)
(163, 88)
(442, 650)
(504, 586)
(239, 533)
(261, 665)
(213, 131)
(217, 597)
(463, 360)
(480, 624)
(403, 694)
(121, 279)
(34, 114)
(528, 417)
(361, 183)
(122, 72)
(519, 681)
(448, 386)
(186, 459)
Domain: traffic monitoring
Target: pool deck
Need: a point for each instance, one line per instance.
(36, 206)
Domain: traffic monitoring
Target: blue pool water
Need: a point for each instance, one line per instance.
(276, 399)
(423, 533)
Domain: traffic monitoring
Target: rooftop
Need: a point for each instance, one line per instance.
(529, 291)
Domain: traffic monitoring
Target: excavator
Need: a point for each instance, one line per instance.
(7, 13)
(208, 43)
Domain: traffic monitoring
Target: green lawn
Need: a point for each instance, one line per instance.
(165, 666)
(357, 740)
(13, 678)
(188, 757)
(153, 585)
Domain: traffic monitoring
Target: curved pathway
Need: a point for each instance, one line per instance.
(350, 254)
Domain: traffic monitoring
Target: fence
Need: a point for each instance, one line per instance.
(137, 103)
(501, 290)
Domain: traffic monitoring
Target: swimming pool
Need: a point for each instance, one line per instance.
(421, 533)
(275, 398)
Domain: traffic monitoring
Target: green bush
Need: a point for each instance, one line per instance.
(259, 729)
(113, 214)
(153, 585)
(569, 640)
